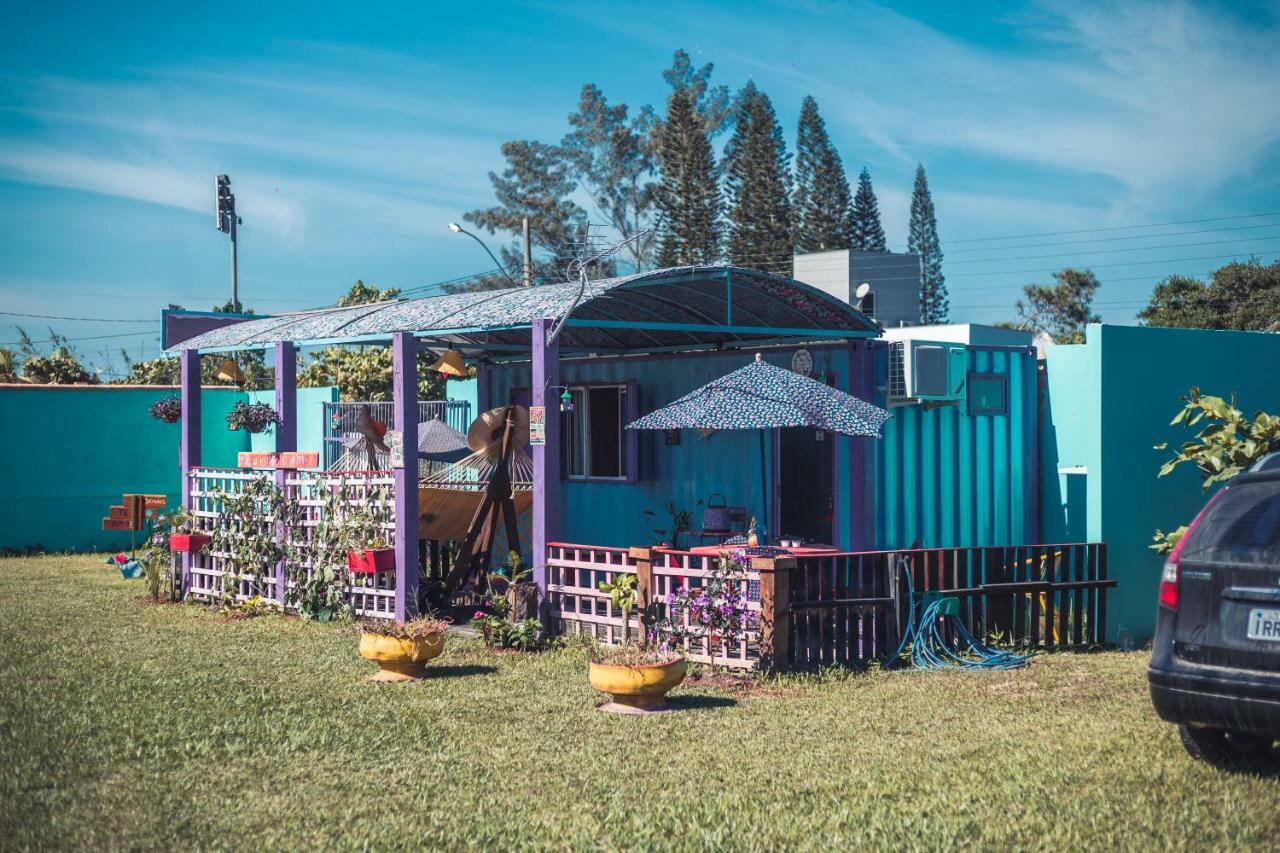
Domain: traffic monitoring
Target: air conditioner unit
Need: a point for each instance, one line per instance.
(931, 371)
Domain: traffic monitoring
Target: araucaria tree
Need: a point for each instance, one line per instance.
(922, 239)
(688, 197)
(868, 234)
(823, 214)
(758, 186)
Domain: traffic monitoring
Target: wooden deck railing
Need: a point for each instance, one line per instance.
(848, 609)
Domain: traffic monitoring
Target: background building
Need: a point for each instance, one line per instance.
(894, 280)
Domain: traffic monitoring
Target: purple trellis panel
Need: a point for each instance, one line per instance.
(546, 457)
(404, 390)
(189, 447)
(286, 430)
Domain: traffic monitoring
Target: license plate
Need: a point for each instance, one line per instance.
(1264, 625)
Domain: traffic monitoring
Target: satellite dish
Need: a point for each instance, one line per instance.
(862, 291)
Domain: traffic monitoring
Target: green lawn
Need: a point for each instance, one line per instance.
(129, 725)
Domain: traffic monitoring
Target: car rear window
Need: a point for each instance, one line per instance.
(1242, 526)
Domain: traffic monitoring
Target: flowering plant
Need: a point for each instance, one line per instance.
(717, 609)
(254, 417)
(168, 410)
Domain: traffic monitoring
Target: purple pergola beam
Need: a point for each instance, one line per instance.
(546, 457)
(189, 446)
(404, 390)
(286, 356)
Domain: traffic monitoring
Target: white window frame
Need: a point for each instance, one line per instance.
(581, 414)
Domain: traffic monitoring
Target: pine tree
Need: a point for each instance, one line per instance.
(868, 235)
(823, 214)
(688, 197)
(758, 186)
(922, 239)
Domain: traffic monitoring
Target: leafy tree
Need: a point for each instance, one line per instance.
(710, 103)
(9, 365)
(824, 215)
(868, 234)
(1061, 310)
(1228, 444)
(364, 373)
(361, 294)
(60, 367)
(758, 185)
(1240, 295)
(688, 197)
(922, 239)
(538, 184)
(613, 159)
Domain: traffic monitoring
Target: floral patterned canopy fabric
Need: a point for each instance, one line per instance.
(763, 396)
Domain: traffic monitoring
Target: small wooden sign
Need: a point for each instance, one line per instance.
(286, 459)
(117, 524)
(537, 426)
(155, 501)
(394, 439)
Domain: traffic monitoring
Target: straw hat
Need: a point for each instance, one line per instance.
(486, 430)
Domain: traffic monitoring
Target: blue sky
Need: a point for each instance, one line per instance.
(354, 132)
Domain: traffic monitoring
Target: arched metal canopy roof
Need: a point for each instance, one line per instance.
(677, 307)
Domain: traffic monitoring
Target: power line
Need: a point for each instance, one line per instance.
(1119, 239)
(86, 319)
(1115, 228)
(78, 340)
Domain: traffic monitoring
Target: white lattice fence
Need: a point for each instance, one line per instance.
(369, 595)
(577, 606)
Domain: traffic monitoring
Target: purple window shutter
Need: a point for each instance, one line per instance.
(631, 436)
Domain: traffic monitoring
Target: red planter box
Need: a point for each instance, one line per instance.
(371, 561)
(188, 543)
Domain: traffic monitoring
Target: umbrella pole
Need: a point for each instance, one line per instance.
(764, 486)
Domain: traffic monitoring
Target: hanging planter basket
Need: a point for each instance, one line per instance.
(253, 417)
(168, 410)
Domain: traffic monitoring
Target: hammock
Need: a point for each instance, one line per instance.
(448, 499)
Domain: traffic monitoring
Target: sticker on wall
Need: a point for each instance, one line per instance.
(537, 426)
(394, 440)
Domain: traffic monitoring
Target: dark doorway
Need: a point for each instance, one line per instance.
(807, 494)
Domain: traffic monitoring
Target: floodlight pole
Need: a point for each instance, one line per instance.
(235, 290)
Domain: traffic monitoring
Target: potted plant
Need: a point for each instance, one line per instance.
(184, 536)
(375, 556)
(401, 649)
(168, 410)
(369, 550)
(636, 676)
(253, 417)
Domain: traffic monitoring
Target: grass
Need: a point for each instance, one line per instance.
(129, 725)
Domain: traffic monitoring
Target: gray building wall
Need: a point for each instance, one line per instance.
(894, 280)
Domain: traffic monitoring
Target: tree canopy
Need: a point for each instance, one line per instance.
(821, 206)
(922, 239)
(758, 186)
(1240, 295)
(1061, 310)
(868, 234)
(688, 197)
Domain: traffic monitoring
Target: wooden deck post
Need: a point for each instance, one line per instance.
(546, 457)
(286, 364)
(775, 610)
(404, 390)
(189, 441)
(643, 559)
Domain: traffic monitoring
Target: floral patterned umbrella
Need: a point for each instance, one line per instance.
(762, 396)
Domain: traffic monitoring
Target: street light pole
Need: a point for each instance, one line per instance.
(458, 229)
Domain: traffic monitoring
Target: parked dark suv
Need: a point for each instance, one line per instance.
(1215, 661)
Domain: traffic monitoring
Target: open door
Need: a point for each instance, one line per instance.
(806, 484)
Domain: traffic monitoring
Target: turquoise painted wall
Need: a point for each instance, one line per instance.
(69, 452)
(1111, 400)
(946, 478)
(726, 462)
(310, 418)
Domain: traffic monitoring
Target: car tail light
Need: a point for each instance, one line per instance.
(1169, 577)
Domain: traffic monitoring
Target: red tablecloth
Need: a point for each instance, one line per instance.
(797, 551)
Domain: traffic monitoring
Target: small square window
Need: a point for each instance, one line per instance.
(988, 394)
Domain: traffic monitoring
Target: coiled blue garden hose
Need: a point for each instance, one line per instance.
(930, 650)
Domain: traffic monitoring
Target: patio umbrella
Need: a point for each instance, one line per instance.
(761, 396)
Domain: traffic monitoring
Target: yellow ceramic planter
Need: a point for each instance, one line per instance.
(637, 689)
(399, 659)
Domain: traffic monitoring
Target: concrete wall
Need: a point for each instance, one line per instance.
(310, 418)
(69, 452)
(894, 279)
(1107, 402)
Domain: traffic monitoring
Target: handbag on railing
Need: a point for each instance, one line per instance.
(715, 516)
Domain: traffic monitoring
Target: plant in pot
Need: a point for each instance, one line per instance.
(253, 417)
(363, 528)
(168, 410)
(401, 649)
(185, 536)
(637, 676)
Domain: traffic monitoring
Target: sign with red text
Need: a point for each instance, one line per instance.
(538, 426)
(282, 459)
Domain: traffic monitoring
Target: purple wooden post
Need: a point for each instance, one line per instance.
(189, 447)
(286, 430)
(404, 396)
(546, 457)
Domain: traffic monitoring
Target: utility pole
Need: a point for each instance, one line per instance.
(226, 222)
(528, 254)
